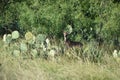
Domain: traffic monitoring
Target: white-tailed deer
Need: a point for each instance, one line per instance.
(70, 43)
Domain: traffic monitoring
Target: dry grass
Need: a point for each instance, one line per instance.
(17, 68)
(38, 69)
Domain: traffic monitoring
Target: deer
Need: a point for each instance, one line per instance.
(70, 43)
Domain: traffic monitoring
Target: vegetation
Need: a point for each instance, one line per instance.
(33, 47)
(90, 19)
(18, 67)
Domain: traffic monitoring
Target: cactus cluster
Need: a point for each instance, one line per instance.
(7, 38)
(30, 45)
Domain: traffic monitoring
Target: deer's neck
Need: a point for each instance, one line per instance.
(65, 38)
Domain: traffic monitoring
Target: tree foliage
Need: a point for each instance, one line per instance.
(90, 19)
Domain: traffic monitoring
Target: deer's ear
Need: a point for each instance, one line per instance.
(63, 31)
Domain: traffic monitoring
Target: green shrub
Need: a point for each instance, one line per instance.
(89, 18)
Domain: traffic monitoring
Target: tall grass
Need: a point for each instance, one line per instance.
(93, 64)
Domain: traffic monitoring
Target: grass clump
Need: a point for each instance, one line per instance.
(12, 68)
(89, 66)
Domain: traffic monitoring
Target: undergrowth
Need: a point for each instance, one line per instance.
(82, 67)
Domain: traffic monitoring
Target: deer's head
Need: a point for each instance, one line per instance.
(64, 34)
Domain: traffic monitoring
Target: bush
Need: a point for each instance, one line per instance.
(91, 19)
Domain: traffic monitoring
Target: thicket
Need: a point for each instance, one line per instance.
(97, 20)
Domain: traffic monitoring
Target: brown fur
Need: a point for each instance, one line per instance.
(70, 43)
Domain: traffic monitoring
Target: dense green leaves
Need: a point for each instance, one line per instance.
(90, 19)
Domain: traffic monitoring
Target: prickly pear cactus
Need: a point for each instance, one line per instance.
(32, 41)
(37, 46)
(30, 38)
(15, 34)
(52, 53)
(8, 38)
(23, 47)
(34, 52)
(115, 55)
(40, 38)
(16, 53)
